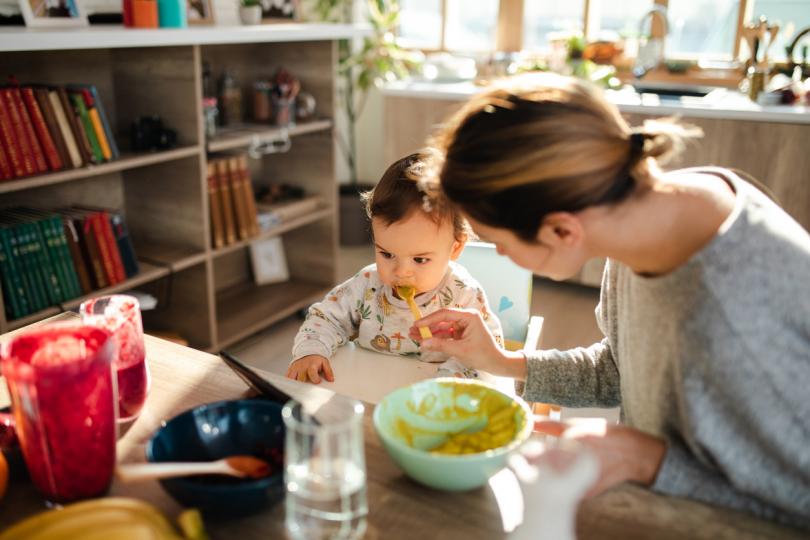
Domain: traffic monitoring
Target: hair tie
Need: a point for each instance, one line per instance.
(636, 144)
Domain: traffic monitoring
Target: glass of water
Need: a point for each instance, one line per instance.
(325, 470)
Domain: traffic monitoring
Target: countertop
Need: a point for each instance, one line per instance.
(724, 104)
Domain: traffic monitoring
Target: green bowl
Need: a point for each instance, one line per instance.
(428, 411)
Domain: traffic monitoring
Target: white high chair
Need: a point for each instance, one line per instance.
(509, 292)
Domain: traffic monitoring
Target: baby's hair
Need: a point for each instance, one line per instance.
(397, 195)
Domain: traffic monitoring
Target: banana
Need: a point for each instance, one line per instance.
(100, 519)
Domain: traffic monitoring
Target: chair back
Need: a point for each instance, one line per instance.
(508, 287)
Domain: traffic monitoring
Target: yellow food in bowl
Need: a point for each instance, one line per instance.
(470, 420)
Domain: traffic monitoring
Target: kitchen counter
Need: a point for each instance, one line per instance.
(721, 104)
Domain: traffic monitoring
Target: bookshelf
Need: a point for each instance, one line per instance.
(207, 295)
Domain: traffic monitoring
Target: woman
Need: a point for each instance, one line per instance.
(704, 300)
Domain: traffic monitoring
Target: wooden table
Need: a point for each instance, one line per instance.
(398, 508)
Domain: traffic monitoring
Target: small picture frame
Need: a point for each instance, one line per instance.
(278, 11)
(269, 262)
(52, 13)
(200, 11)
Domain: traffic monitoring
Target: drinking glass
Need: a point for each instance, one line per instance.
(63, 408)
(325, 470)
(120, 315)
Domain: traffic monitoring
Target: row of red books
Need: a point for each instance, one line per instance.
(51, 128)
(51, 256)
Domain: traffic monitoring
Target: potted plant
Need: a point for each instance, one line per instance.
(377, 60)
(250, 11)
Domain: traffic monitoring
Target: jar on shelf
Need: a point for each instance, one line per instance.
(262, 101)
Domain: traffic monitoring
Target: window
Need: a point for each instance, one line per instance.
(420, 24)
(705, 28)
(702, 27)
(622, 18)
(471, 25)
(785, 12)
(541, 17)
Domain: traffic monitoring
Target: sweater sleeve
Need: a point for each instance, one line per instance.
(331, 322)
(581, 377)
(682, 475)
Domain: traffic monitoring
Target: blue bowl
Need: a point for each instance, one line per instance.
(217, 430)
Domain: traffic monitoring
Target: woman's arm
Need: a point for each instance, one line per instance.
(581, 377)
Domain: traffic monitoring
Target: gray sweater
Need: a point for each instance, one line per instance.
(714, 358)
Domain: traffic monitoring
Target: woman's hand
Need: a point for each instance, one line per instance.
(462, 333)
(310, 367)
(625, 454)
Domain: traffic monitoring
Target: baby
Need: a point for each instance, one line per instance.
(414, 247)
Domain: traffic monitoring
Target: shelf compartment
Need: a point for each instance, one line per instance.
(290, 225)
(175, 258)
(149, 272)
(245, 309)
(127, 161)
(243, 135)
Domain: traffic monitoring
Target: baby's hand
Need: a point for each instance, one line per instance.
(309, 368)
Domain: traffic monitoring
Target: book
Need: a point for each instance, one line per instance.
(95, 119)
(272, 215)
(9, 141)
(43, 134)
(250, 200)
(105, 123)
(237, 199)
(87, 245)
(80, 263)
(5, 166)
(20, 295)
(75, 126)
(40, 163)
(65, 129)
(215, 208)
(29, 277)
(226, 202)
(44, 102)
(18, 136)
(124, 243)
(43, 279)
(80, 109)
(14, 298)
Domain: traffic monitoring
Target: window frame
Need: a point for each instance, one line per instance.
(510, 18)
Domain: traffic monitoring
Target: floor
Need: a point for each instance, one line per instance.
(567, 309)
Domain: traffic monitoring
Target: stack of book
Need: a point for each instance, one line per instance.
(230, 198)
(49, 128)
(51, 256)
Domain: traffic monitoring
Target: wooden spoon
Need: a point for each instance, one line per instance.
(407, 292)
(239, 466)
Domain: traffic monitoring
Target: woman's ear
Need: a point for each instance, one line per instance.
(560, 229)
(458, 246)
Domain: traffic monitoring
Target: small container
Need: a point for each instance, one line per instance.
(283, 111)
(210, 114)
(262, 101)
(172, 13)
(144, 14)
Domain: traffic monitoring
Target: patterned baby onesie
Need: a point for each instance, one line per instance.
(365, 310)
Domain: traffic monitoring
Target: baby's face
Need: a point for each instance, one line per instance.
(414, 251)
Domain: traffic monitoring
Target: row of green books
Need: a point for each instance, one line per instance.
(48, 257)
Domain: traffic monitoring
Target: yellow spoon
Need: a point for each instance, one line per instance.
(407, 292)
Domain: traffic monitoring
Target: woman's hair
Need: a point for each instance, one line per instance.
(543, 143)
(397, 195)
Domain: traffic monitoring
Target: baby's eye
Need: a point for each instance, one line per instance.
(386, 255)
(421, 260)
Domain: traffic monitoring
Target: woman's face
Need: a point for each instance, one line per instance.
(557, 261)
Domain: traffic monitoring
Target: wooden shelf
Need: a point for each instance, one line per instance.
(277, 230)
(127, 161)
(33, 317)
(243, 135)
(247, 308)
(175, 257)
(149, 272)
